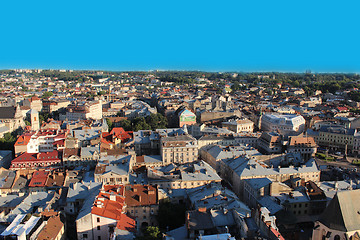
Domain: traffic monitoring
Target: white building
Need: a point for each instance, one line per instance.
(243, 125)
(46, 141)
(289, 124)
(89, 110)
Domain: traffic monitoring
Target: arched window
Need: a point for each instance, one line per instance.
(337, 237)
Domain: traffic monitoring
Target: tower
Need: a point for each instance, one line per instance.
(34, 119)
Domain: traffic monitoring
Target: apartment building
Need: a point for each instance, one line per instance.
(142, 204)
(184, 176)
(287, 124)
(88, 110)
(178, 149)
(336, 138)
(237, 126)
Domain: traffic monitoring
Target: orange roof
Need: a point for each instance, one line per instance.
(126, 223)
(140, 159)
(52, 229)
(120, 133)
(105, 206)
(22, 140)
(34, 99)
(140, 195)
(39, 179)
(295, 140)
(277, 234)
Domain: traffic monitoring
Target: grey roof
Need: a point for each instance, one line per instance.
(202, 171)
(87, 134)
(10, 201)
(178, 233)
(221, 236)
(214, 195)
(16, 221)
(270, 204)
(4, 129)
(8, 180)
(89, 151)
(32, 111)
(117, 164)
(35, 199)
(337, 130)
(20, 183)
(342, 213)
(81, 190)
(245, 167)
(5, 153)
(200, 221)
(152, 158)
(222, 217)
(258, 183)
(7, 112)
(88, 203)
(216, 130)
(221, 152)
(184, 137)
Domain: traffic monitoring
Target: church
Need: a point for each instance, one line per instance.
(12, 118)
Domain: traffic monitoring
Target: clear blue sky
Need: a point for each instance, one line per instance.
(251, 35)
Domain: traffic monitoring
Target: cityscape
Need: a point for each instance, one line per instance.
(146, 155)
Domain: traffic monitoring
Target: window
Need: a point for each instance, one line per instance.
(99, 237)
(98, 228)
(97, 219)
(85, 235)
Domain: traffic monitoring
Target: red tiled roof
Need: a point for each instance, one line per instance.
(39, 179)
(277, 234)
(53, 156)
(34, 99)
(140, 195)
(60, 142)
(120, 133)
(126, 223)
(52, 229)
(30, 160)
(105, 207)
(342, 108)
(22, 140)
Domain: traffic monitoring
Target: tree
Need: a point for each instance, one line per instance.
(47, 95)
(8, 141)
(140, 123)
(110, 124)
(102, 92)
(156, 121)
(126, 125)
(151, 233)
(27, 123)
(43, 117)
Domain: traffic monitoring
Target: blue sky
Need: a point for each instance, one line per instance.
(290, 36)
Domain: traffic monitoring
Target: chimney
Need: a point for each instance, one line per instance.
(202, 209)
(113, 197)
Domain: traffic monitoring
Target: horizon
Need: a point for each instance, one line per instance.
(157, 70)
